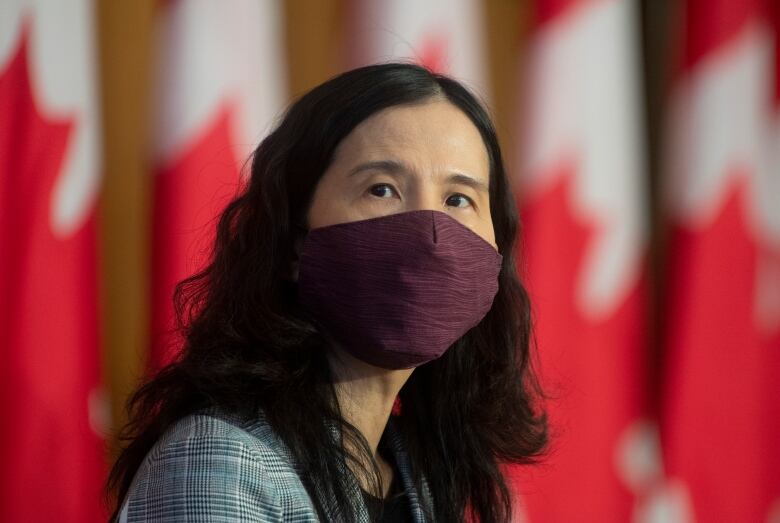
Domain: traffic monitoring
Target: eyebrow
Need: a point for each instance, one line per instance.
(396, 168)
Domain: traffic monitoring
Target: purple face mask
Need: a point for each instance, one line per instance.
(396, 291)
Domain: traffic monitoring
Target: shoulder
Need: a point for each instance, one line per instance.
(214, 431)
(212, 438)
(211, 465)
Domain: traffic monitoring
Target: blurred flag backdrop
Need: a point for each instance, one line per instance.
(643, 142)
(52, 408)
(582, 194)
(218, 82)
(721, 427)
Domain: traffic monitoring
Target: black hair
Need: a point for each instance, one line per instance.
(247, 345)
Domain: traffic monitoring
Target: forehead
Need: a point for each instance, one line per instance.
(434, 134)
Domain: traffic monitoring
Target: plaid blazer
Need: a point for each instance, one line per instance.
(210, 466)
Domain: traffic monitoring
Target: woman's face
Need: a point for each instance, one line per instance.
(407, 158)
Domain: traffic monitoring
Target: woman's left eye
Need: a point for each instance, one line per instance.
(463, 198)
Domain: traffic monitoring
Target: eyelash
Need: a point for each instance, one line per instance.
(471, 202)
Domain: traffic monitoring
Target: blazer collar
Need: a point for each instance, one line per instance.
(418, 496)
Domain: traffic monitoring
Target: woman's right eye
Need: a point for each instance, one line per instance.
(381, 190)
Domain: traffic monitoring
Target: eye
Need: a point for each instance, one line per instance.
(462, 198)
(382, 190)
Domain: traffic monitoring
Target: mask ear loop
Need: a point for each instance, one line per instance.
(299, 227)
(299, 233)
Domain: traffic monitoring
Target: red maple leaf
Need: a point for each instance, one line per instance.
(547, 10)
(52, 459)
(711, 24)
(719, 435)
(774, 22)
(191, 190)
(433, 54)
(594, 371)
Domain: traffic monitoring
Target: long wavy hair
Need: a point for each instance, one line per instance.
(246, 345)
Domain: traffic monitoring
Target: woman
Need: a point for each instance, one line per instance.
(358, 347)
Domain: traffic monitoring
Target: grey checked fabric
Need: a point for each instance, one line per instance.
(212, 467)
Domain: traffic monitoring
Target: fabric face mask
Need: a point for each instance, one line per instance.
(396, 291)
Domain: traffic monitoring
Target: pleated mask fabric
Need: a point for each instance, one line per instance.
(396, 291)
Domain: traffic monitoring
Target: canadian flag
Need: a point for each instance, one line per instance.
(220, 81)
(52, 409)
(721, 408)
(447, 36)
(581, 192)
